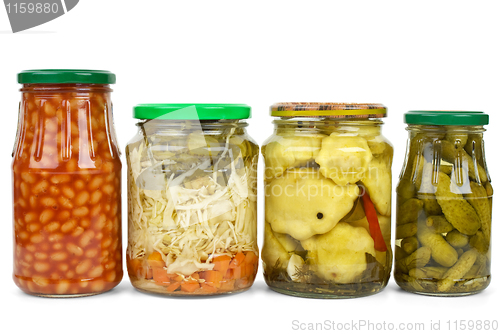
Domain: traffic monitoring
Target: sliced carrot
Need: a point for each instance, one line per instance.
(136, 267)
(155, 260)
(173, 286)
(212, 278)
(251, 258)
(195, 276)
(249, 269)
(237, 260)
(189, 286)
(229, 274)
(205, 288)
(227, 285)
(237, 272)
(221, 263)
(160, 276)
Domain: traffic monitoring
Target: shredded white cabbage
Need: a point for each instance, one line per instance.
(193, 218)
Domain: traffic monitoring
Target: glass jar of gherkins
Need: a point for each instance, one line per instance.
(327, 200)
(192, 200)
(444, 204)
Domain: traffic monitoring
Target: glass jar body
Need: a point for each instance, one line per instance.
(66, 192)
(443, 220)
(192, 201)
(327, 208)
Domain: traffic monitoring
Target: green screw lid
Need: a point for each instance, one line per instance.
(66, 76)
(190, 111)
(446, 117)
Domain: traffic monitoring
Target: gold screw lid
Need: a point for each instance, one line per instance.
(328, 109)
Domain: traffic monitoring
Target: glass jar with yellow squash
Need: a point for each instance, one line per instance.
(444, 204)
(327, 200)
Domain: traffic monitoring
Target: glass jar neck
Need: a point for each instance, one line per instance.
(444, 129)
(316, 124)
(65, 88)
(187, 126)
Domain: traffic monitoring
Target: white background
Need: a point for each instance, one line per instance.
(406, 55)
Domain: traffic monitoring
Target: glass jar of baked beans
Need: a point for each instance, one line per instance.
(67, 185)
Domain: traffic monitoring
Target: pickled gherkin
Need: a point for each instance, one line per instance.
(444, 206)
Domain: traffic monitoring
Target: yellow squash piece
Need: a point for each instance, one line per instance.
(303, 203)
(344, 158)
(340, 255)
(378, 182)
(272, 251)
(288, 152)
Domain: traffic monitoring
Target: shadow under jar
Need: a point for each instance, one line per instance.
(444, 205)
(67, 185)
(327, 200)
(192, 200)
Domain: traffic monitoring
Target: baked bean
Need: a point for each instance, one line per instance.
(62, 178)
(36, 238)
(81, 211)
(82, 198)
(78, 231)
(41, 256)
(46, 216)
(48, 201)
(110, 276)
(63, 215)
(59, 256)
(68, 192)
(38, 280)
(41, 186)
(54, 191)
(30, 217)
(68, 226)
(95, 197)
(34, 227)
(96, 271)
(95, 183)
(28, 177)
(79, 184)
(83, 266)
(97, 285)
(52, 227)
(62, 287)
(23, 235)
(41, 266)
(95, 210)
(55, 237)
(91, 253)
(86, 238)
(74, 249)
(57, 246)
(65, 203)
(22, 203)
(33, 201)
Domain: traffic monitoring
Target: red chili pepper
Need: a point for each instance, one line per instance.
(371, 216)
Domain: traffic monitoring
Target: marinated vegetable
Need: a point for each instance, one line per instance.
(192, 207)
(327, 209)
(448, 213)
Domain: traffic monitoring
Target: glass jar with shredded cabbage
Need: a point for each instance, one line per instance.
(327, 200)
(192, 200)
